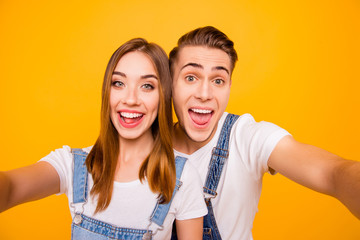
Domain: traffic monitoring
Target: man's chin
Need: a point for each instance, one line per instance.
(200, 137)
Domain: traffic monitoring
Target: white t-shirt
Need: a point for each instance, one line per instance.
(250, 145)
(133, 202)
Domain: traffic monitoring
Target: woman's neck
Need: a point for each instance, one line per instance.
(132, 153)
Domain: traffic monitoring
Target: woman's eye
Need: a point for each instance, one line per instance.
(117, 83)
(190, 78)
(148, 86)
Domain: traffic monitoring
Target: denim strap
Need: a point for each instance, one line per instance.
(80, 184)
(161, 210)
(219, 155)
(80, 176)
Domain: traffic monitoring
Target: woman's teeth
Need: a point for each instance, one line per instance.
(204, 111)
(130, 115)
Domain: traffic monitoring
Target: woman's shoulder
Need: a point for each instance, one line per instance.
(190, 196)
(58, 154)
(189, 172)
(62, 160)
(64, 153)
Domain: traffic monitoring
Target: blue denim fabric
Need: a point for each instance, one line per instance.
(80, 176)
(84, 227)
(210, 229)
(91, 229)
(161, 210)
(218, 157)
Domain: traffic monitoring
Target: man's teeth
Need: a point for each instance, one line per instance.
(201, 111)
(130, 115)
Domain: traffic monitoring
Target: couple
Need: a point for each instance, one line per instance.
(129, 185)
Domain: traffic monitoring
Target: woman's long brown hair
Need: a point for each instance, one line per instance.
(159, 166)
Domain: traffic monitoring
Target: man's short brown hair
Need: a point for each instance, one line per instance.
(208, 37)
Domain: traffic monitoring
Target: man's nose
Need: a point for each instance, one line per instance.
(204, 91)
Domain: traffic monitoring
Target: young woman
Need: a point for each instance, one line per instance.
(128, 185)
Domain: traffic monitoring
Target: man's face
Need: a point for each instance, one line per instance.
(201, 89)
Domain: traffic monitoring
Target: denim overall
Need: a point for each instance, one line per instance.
(218, 157)
(84, 227)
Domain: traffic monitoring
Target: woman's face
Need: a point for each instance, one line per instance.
(134, 95)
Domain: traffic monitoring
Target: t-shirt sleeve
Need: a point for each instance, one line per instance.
(191, 204)
(61, 160)
(256, 141)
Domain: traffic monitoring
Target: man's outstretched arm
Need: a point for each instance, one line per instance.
(319, 170)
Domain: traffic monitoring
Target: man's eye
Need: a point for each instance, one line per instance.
(117, 83)
(190, 78)
(219, 81)
(148, 86)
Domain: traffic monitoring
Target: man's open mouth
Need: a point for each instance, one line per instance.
(200, 116)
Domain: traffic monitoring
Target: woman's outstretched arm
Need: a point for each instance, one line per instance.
(27, 184)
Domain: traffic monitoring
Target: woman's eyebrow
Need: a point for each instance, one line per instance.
(142, 77)
(119, 73)
(149, 76)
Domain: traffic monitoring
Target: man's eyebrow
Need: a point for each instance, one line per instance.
(221, 68)
(119, 73)
(195, 65)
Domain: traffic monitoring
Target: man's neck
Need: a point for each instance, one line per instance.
(184, 144)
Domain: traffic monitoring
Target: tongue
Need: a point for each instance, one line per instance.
(200, 118)
(131, 120)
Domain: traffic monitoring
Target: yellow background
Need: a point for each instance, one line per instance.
(299, 67)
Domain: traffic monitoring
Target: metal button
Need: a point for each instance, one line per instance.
(77, 219)
(146, 236)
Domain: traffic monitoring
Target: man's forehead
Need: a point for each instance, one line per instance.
(205, 56)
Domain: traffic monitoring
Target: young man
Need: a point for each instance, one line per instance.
(233, 152)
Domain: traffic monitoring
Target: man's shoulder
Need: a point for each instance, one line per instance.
(248, 129)
(246, 126)
(242, 118)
